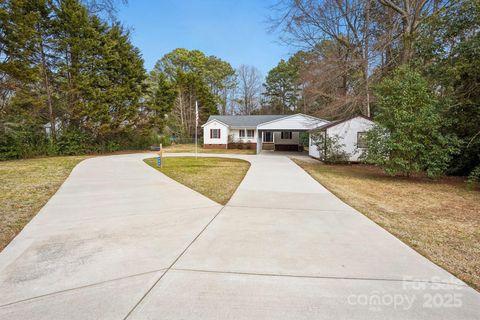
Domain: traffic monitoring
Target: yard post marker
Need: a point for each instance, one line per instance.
(161, 155)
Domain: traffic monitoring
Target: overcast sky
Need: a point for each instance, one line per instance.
(234, 31)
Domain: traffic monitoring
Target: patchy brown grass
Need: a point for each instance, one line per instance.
(26, 185)
(180, 148)
(215, 178)
(438, 218)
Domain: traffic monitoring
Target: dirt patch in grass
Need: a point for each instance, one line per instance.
(438, 218)
(215, 178)
(26, 185)
(180, 148)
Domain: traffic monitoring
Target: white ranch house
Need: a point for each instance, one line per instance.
(280, 132)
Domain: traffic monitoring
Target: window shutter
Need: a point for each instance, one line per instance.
(211, 133)
(219, 133)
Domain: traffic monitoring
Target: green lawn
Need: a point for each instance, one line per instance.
(438, 218)
(215, 178)
(26, 185)
(180, 148)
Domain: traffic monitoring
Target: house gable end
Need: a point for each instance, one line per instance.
(214, 120)
(293, 122)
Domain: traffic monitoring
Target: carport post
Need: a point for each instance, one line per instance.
(259, 141)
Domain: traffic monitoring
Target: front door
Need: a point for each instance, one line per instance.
(268, 136)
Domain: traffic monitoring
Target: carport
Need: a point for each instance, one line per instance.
(284, 134)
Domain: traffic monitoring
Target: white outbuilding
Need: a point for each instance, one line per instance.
(349, 132)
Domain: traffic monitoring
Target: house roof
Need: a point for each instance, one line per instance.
(244, 121)
(334, 123)
(302, 122)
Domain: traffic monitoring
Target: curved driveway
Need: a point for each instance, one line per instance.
(120, 240)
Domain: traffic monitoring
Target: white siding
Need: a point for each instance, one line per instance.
(347, 131)
(312, 148)
(277, 139)
(294, 122)
(235, 136)
(215, 125)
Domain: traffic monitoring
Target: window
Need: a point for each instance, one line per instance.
(361, 140)
(241, 133)
(267, 136)
(250, 133)
(286, 135)
(214, 133)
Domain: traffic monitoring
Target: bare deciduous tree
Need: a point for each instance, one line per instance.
(371, 37)
(249, 89)
(411, 14)
(107, 7)
(345, 23)
(327, 87)
(228, 95)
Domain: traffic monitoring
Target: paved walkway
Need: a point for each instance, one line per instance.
(120, 240)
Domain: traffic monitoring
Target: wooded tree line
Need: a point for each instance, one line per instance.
(355, 57)
(350, 44)
(66, 72)
(182, 78)
(71, 82)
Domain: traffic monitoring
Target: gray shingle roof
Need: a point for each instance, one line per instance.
(245, 121)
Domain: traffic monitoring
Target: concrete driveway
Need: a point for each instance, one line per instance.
(120, 240)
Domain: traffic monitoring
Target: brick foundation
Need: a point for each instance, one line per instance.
(214, 146)
(250, 146)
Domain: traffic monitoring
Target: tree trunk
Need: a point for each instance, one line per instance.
(407, 42)
(365, 57)
(46, 83)
(224, 104)
(180, 106)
